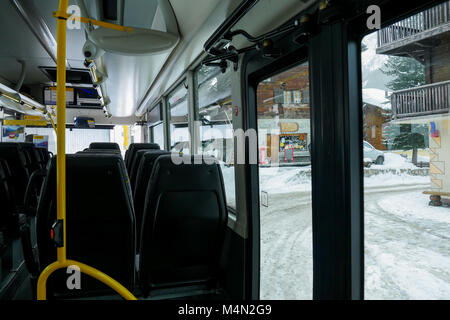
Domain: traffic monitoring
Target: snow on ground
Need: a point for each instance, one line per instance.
(394, 161)
(284, 179)
(297, 179)
(407, 247)
(390, 179)
(407, 252)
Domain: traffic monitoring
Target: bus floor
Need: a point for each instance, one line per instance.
(23, 290)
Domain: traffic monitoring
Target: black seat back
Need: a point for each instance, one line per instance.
(135, 166)
(9, 179)
(184, 224)
(142, 179)
(104, 145)
(133, 148)
(100, 221)
(18, 164)
(35, 161)
(8, 217)
(45, 156)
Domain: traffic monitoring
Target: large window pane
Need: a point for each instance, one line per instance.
(406, 101)
(284, 138)
(76, 139)
(178, 113)
(154, 120)
(158, 135)
(213, 117)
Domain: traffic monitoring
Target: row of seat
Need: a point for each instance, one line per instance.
(175, 223)
(18, 162)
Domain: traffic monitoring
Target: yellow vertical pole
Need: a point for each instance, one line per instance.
(125, 137)
(62, 261)
(61, 126)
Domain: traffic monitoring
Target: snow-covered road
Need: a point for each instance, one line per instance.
(407, 247)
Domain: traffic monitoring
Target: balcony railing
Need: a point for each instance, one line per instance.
(420, 101)
(426, 20)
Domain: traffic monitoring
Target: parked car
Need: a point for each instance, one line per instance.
(373, 154)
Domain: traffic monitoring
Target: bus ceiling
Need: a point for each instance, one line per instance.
(131, 69)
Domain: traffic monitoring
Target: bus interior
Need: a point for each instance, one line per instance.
(224, 150)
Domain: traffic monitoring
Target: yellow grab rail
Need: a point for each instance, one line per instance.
(50, 117)
(41, 291)
(103, 24)
(62, 262)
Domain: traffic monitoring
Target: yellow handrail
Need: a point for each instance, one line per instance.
(41, 291)
(50, 117)
(62, 262)
(92, 21)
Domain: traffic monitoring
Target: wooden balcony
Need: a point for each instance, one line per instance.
(422, 27)
(421, 101)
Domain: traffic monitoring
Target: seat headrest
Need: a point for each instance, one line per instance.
(100, 151)
(134, 147)
(202, 173)
(92, 159)
(144, 168)
(139, 146)
(151, 155)
(104, 145)
(13, 149)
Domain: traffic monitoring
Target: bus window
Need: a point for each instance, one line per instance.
(156, 126)
(406, 132)
(158, 135)
(178, 114)
(284, 141)
(76, 139)
(213, 118)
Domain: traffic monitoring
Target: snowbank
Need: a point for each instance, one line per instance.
(406, 247)
(395, 161)
(285, 179)
(396, 170)
(418, 209)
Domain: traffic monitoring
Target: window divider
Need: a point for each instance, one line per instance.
(191, 111)
(166, 121)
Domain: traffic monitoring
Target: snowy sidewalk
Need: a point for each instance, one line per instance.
(407, 247)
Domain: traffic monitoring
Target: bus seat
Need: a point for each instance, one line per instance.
(100, 222)
(45, 156)
(16, 158)
(133, 148)
(183, 227)
(34, 156)
(104, 145)
(135, 166)
(126, 156)
(8, 218)
(142, 178)
(9, 180)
